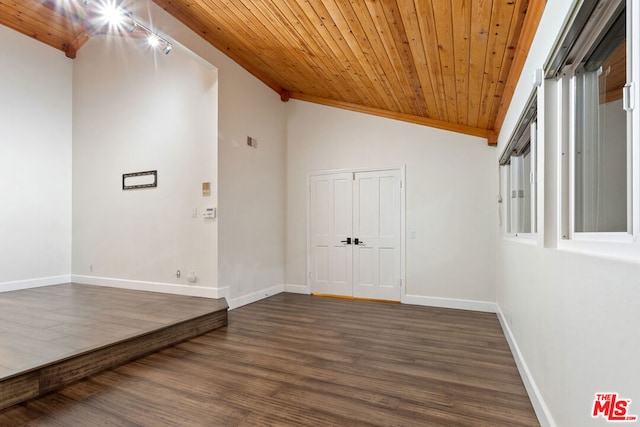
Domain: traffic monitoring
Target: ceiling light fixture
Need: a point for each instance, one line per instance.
(112, 14)
(153, 40)
(133, 25)
(116, 17)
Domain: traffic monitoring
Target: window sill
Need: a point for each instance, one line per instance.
(603, 237)
(624, 249)
(526, 238)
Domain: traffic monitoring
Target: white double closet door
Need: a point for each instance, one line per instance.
(355, 234)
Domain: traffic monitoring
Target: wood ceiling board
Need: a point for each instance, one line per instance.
(388, 53)
(308, 44)
(36, 21)
(461, 23)
(349, 30)
(407, 65)
(371, 78)
(535, 8)
(428, 33)
(444, 34)
(285, 49)
(480, 26)
(197, 19)
(409, 16)
(507, 60)
(446, 61)
(346, 75)
(363, 55)
(322, 50)
(244, 32)
(501, 16)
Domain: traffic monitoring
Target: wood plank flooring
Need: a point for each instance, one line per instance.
(297, 360)
(54, 335)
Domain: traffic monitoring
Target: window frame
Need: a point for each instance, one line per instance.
(624, 246)
(526, 124)
(568, 94)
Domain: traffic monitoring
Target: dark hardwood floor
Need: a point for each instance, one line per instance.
(55, 335)
(300, 360)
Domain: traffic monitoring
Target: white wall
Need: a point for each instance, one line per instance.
(451, 186)
(35, 163)
(252, 186)
(135, 111)
(140, 238)
(573, 317)
(251, 183)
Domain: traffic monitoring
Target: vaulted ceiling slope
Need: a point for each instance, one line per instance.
(450, 64)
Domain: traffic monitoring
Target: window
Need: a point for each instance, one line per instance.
(519, 161)
(593, 64)
(600, 153)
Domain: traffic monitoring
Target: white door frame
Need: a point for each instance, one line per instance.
(402, 170)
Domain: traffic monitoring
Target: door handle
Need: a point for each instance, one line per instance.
(348, 241)
(357, 241)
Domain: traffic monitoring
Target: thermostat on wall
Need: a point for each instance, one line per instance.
(209, 213)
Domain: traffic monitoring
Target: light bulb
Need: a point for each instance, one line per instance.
(112, 14)
(153, 40)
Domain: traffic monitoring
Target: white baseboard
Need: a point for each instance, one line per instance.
(297, 289)
(167, 288)
(34, 283)
(255, 296)
(460, 304)
(539, 406)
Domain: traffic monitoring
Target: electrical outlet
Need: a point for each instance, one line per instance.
(191, 278)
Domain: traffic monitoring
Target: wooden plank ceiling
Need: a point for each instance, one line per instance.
(450, 64)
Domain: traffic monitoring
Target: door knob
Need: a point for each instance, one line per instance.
(357, 241)
(348, 241)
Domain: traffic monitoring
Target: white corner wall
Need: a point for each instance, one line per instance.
(35, 163)
(571, 318)
(451, 187)
(251, 183)
(135, 111)
(252, 187)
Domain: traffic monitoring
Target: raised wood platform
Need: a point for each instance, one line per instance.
(54, 335)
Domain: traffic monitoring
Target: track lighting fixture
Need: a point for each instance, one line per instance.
(153, 40)
(118, 18)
